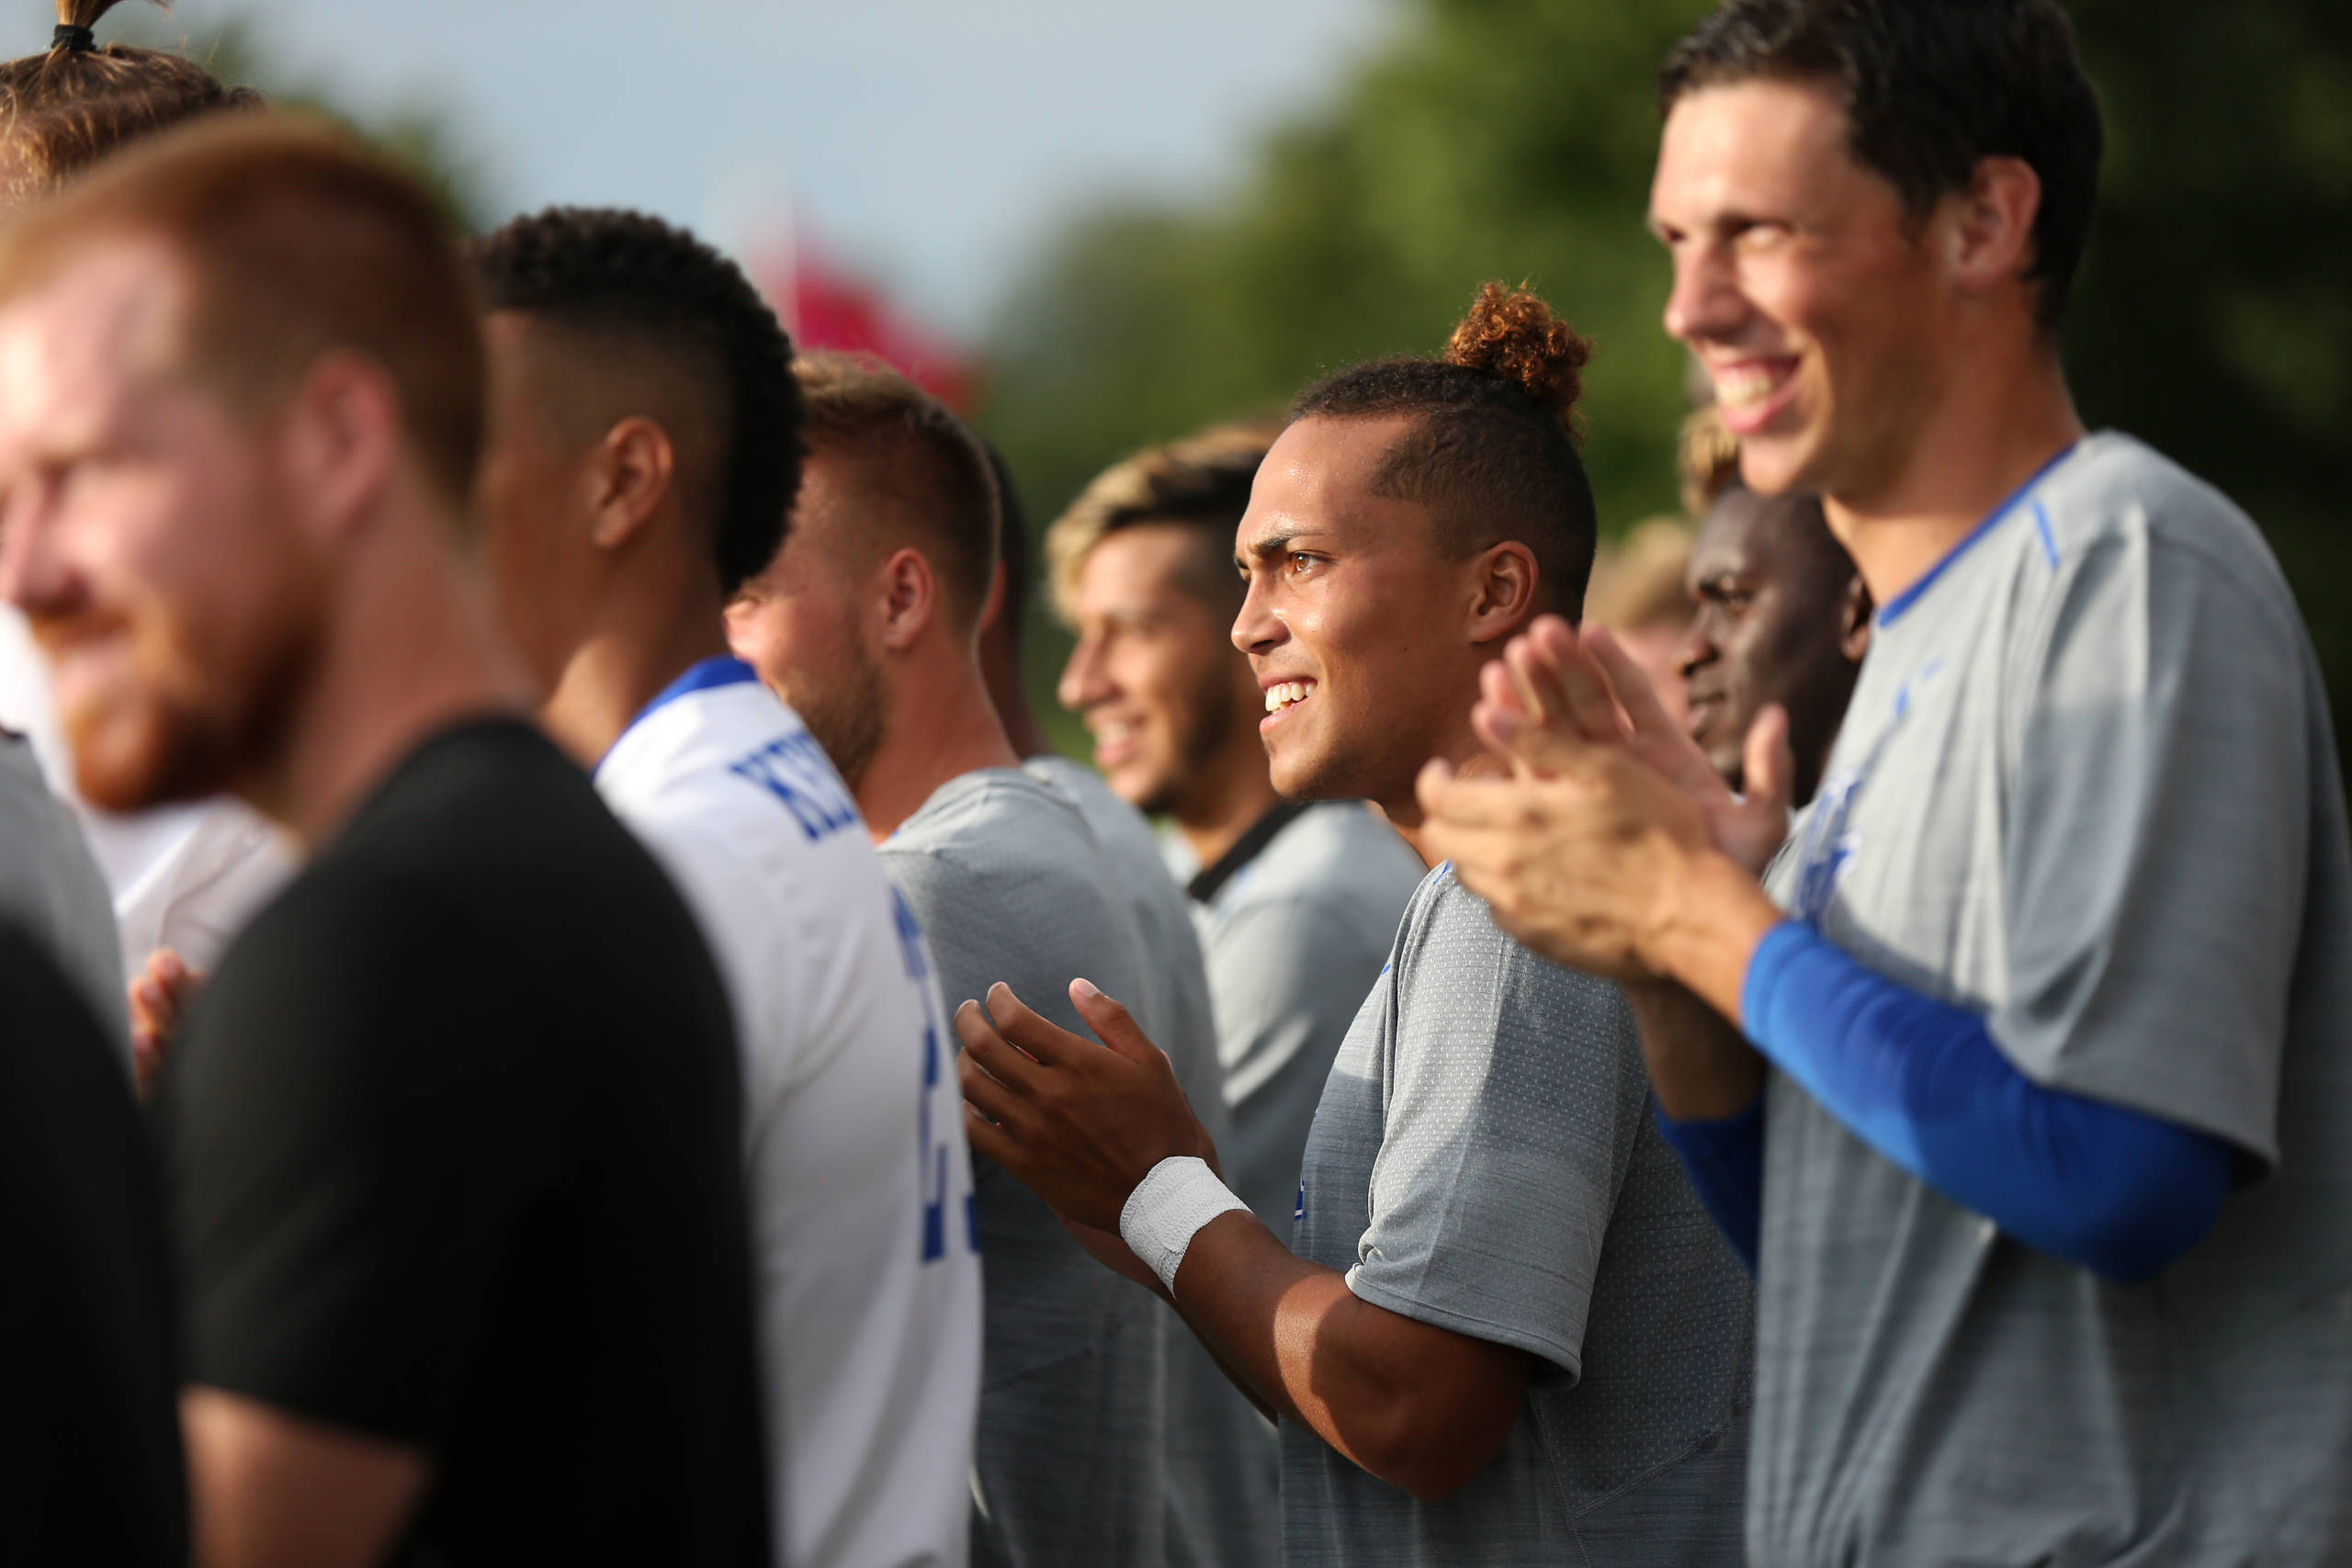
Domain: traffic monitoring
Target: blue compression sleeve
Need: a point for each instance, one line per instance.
(2121, 1192)
(1725, 1160)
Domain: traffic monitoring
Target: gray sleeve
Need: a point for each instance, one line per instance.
(1289, 977)
(2153, 862)
(1515, 1096)
(52, 887)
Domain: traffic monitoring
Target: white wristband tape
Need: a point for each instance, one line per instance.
(1168, 1208)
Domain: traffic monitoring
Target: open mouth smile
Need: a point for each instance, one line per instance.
(1282, 697)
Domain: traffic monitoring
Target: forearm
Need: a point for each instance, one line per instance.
(1244, 1294)
(1419, 1407)
(266, 1487)
(2123, 1192)
(1699, 1065)
(1711, 917)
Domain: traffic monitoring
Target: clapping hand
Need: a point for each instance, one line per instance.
(1574, 851)
(1077, 1123)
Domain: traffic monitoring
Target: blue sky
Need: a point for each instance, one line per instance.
(931, 142)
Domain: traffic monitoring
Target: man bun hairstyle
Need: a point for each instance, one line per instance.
(1930, 88)
(1494, 450)
(1201, 482)
(928, 472)
(1511, 334)
(64, 108)
(634, 283)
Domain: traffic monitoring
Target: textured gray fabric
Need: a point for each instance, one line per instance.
(2087, 787)
(1173, 1005)
(1070, 1468)
(1486, 1161)
(51, 887)
(1293, 942)
(1222, 1508)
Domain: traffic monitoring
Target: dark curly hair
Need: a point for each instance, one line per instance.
(66, 107)
(1930, 88)
(595, 270)
(1493, 451)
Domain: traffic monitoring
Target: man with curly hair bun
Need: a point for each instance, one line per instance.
(1502, 1332)
(1297, 900)
(646, 451)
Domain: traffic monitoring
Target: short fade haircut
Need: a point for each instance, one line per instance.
(65, 109)
(1930, 88)
(1493, 447)
(297, 241)
(1201, 482)
(923, 458)
(628, 280)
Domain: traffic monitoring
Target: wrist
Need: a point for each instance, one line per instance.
(1712, 913)
(1168, 1207)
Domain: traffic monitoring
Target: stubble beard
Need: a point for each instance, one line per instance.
(1199, 732)
(197, 732)
(848, 712)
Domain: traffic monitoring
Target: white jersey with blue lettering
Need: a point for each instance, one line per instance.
(869, 1280)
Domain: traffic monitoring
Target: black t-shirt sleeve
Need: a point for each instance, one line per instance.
(358, 1155)
(89, 1424)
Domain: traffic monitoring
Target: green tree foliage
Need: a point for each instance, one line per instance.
(1514, 138)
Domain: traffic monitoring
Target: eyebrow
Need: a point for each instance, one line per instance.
(1265, 547)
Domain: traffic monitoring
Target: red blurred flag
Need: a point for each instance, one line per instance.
(826, 307)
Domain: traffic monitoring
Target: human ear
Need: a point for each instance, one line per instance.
(910, 596)
(1505, 599)
(1991, 232)
(630, 476)
(1854, 621)
(343, 438)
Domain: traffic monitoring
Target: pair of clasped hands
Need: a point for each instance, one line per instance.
(1577, 830)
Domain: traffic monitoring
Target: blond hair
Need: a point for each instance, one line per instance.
(1707, 458)
(1202, 481)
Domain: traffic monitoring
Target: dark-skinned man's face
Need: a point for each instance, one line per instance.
(1780, 618)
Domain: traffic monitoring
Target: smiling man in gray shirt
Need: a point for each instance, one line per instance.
(2024, 1069)
(1505, 1333)
(1296, 901)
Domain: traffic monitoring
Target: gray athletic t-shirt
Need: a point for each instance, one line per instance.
(1223, 1511)
(1295, 939)
(51, 886)
(1486, 1161)
(2087, 787)
(1069, 1466)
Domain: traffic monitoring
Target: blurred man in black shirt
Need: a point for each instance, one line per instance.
(451, 1142)
(89, 1444)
